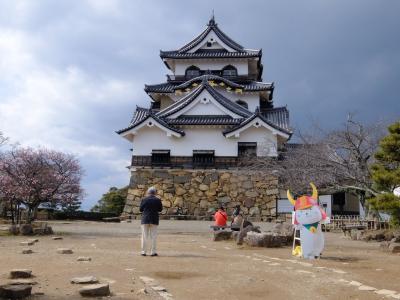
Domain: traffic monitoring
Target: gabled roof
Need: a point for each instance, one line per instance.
(141, 115)
(211, 26)
(252, 86)
(184, 51)
(186, 100)
(277, 118)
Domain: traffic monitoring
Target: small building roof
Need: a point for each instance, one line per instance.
(277, 118)
(141, 115)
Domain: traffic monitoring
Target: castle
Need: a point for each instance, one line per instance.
(213, 113)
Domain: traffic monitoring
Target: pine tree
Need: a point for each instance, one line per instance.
(112, 202)
(386, 174)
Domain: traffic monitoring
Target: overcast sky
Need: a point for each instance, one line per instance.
(72, 72)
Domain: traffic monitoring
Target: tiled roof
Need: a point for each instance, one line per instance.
(142, 114)
(168, 87)
(204, 120)
(211, 54)
(278, 118)
(279, 114)
(211, 26)
(186, 100)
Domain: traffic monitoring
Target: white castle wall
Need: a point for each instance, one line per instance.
(240, 64)
(150, 138)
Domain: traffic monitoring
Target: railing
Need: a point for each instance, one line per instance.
(186, 162)
(240, 78)
(341, 221)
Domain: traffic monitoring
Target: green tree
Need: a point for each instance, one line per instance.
(386, 174)
(112, 202)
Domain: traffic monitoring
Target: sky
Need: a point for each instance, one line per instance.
(73, 71)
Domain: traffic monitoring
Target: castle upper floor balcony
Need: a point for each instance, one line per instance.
(235, 78)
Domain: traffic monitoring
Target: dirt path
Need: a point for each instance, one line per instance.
(191, 266)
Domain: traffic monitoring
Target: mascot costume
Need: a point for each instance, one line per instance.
(308, 218)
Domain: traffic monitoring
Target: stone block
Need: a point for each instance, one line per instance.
(95, 290)
(182, 178)
(251, 194)
(64, 251)
(84, 258)
(203, 187)
(15, 291)
(84, 280)
(394, 247)
(222, 235)
(254, 211)
(27, 251)
(265, 239)
(179, 191)
(20, 273)
(166, 203)
(26, 229)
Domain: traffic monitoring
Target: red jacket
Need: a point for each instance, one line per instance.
(220, 218)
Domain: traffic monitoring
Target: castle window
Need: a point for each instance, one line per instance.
(156, 105)
(203, 158)
(209, 44)
(160, 157)
(192, 71)
(247, 149)
(229, 71)
(242, 103)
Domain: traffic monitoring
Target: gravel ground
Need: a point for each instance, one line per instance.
(192, 266)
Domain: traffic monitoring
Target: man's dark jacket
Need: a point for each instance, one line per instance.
(150, 207)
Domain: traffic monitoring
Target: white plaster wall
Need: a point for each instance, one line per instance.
(149, 138)
(209, 106)
(241, 65)
(266, 141)
(252, 99)
(216, 43)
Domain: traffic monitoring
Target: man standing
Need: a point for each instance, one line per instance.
(150, 207)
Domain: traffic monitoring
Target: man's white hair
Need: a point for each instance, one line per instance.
(152, 190)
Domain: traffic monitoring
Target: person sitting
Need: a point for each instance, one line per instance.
(238, 221)
(220, 217)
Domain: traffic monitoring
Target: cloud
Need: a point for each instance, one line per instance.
(63, 109)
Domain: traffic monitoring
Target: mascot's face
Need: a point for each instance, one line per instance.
(306, 207)
(309, 215)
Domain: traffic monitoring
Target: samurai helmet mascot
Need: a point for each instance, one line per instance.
(308, 218)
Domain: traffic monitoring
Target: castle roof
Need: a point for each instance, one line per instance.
(235, 49)
(168, 87)
(205, 85)
(277, 118)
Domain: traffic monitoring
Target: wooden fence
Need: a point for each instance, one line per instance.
(340, 221)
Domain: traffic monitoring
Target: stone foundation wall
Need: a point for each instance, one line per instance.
(198, 193)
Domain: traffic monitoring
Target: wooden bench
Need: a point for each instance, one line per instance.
(215, 227)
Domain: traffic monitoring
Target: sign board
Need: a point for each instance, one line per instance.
(325, 202)
(284, 206)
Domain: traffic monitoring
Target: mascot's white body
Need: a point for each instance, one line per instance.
(308, 218)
